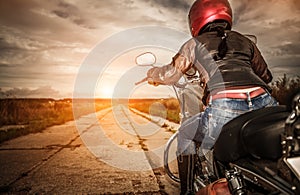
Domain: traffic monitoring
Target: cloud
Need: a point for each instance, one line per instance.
(296, 4)
(41, 92)
(61, 14)
(286, 49)
(277, 26)
(253, 13)
(178, 4)
(43, 43)
(73, 14)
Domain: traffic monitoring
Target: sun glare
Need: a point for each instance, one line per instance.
(106, 92)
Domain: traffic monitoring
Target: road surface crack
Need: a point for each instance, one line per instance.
(58, 147)
(156, 171)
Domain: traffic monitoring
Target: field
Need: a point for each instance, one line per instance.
(23, 116)
(165, 108)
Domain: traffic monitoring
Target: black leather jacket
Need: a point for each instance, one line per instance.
(243, 64)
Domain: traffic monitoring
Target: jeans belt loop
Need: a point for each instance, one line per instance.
(210, 101)
(249, 100)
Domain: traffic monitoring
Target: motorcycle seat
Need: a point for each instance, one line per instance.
(256, 134)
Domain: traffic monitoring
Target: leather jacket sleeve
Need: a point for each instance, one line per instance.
(171, 73)
(260, 67)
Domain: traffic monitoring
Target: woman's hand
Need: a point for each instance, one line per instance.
(152, 74)
(152, 82)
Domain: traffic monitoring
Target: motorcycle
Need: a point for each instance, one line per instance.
(256, 153)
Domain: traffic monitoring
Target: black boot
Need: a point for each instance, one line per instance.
(186, 173)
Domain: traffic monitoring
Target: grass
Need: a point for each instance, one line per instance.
(284, 89)
(165, 108)
(23, 116)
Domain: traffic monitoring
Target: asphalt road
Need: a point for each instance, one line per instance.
(114, 151)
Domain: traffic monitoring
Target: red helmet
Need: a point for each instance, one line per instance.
(203, 12)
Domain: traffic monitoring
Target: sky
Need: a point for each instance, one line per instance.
(43, 44)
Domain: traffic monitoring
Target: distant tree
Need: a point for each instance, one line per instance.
(284, 89)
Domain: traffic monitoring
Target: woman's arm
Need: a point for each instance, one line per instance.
(171, 73)
(259, 66)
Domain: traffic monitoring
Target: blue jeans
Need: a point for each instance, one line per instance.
(205, 127)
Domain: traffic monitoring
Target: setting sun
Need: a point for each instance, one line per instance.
(106, 91)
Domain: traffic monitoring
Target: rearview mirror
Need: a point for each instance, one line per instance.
(145, 59)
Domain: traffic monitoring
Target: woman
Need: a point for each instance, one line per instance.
(234, 74)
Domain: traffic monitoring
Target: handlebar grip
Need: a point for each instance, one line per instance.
(141, 81)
